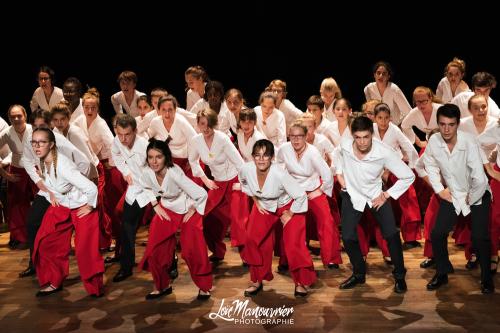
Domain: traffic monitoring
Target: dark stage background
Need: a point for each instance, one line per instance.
(243, 49)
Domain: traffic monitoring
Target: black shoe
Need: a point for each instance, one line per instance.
(110, 260)
(333, 266)
(411, 245)
(97, 295)
(166, 291)
(351, 282)
(427, 263)
(122, 275)
(400, 286)
(215, 260)
(282, 268)
(470, 265)
(387, 261)
(42, 293)
(255, 291)
(13, 243)
(202, 297)
(244, 264)
(300, 293)
(27, 272)
(487, 287)
(437, 281)
(495, 264)
(173, 272)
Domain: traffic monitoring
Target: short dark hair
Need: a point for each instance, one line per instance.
(163, 147)
(362, 124)
(264, 144)
(448, 111)
(125, 120)
(247, 114)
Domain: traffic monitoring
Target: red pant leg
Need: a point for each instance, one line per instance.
(52, 246)
(88, 257)
(429, 222)
(410, 213)
(495, 214)
(239, 217)
(19, 197)
(104, 219)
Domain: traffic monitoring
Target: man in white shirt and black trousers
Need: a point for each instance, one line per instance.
(454, 165)
(359, 163)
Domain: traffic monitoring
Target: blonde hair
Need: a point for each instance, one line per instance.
(329, 84)
(456, 62)
(92, 93)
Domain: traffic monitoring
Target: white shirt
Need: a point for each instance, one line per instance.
(10, 138)
(178, 193)
(462, 170)
(490, 139)
(191, 98)
(181, 133)
(395, 139)
(332, 132)
(144, 123)
(30, 161)
(222, 157)
(120, 103)
(81, 142)
(39, 101)
(222, 117)
(247, 148)
(291, 113)
(328, 112)
(324, 146)
(77, 113)
(274, 128)
(362, 177)
(70, 187)
(278, 189)
(132, 162)
(416, 118)
(325, 123)
(99, 135)
(444, 92)
(5, 155)
(308, 170)
(462, 101)
(393, 97)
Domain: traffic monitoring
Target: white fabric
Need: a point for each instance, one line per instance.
(246, 148)
(99, 135)
(417, 119)
(462, 101)
(274, 128)
(395, 139)
(393, 97)
(10, 138)
(181, 133)
(120, 103)
(39, 101)
(444, 92)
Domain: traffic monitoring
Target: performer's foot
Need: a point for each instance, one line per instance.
(159, 293)
(429, 262)
(400, 286)
(472, 263)
(203, 295)
(333, 265)
(487, 287)
(173, 272)
(351, 282)
(109, 260)
(282, 269)
(30, 271)
(411, 245)
(300, 291)
(50, 289)
(437, 281)
(387, 260)
(254, 289)
(122, 275)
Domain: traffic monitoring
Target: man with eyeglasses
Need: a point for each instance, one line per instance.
(359, 163)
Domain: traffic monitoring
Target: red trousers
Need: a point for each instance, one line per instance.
(429, 222)
(495, 214)
(105, 223)
(258, 251)
(161, 244)
(218, 216)
(53, 244)
(186, 167)
(407, 207)
(240, 212)
(19, 197)
(368, 228)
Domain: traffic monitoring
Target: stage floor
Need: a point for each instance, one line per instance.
(372, 307)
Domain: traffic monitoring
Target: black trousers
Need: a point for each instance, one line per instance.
(446, 220)
(34, 220)
(385, 218)
(132, 215)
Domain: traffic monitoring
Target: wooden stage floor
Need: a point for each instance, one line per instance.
(372, 307)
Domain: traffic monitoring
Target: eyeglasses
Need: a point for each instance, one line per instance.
(277, 91)
(44, 78)
(294, 137)
(422, 102)
(40, 143)
(262, 157)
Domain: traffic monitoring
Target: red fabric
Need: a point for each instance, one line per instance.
(161, 246)
(53, 244)
(218, 216)
(186, 167)
(429, 221)
(495, 214)
(104, 219)
(258, 251)
(410, 212)
(19, 197)
(240, 212)
(369, 229)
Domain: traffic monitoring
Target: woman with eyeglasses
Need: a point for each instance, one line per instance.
(46, 95)
(388, 92)
(308, 167)
(278, 198)
(19, 185)
(181, 206)
(217, 152)
(73, 198)
(452, 83)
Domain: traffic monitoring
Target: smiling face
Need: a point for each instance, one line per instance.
(204, 128)
(261, 160)
(247, 126)
(156, 160)
(478, 107)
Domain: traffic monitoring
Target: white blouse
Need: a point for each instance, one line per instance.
(444, 92)
(393, 97)
(191, 98)
(332, 132)
(98, 134)
(462, 101)
(417, 119)
(395, 139)
(291, 113)
(308, 170)
(181, 133)
(247, 148)
(223, 124)
(325, 123)
(274, 127)
(70, 187)
(462, 170)
(490, 139)
(39, 101)
(16, 145)
(77, 113)
(120, 103)
(178, 193)
(328, 112)
(132, 162)
(278, 189)
(222, 157)
(362, 177)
